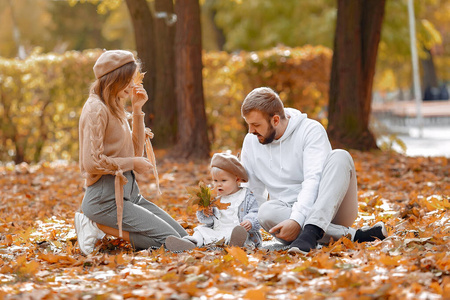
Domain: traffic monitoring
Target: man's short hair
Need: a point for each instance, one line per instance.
(265, 100)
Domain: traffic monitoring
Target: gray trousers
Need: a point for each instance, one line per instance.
(336, 206)
(148, 225)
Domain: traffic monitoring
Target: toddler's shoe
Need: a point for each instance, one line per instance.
(176, 244)
(87, 233)
(238, 236)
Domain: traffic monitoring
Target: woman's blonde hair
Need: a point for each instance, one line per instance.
(109, 85)
(265, 100)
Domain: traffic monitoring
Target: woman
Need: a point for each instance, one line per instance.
(110, 153)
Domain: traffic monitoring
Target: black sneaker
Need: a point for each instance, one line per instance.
(370, 234)
(307, 239)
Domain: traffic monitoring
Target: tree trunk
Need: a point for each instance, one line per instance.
(20, 151)
(165, 105)
(356, 42)
(193, 140)
(142, 20)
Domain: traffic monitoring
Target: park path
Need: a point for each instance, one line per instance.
(400, 117)
(435, 141)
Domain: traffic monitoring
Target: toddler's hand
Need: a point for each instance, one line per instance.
(247, 225)
(208, 211)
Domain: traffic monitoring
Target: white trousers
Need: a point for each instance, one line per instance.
(336, 206)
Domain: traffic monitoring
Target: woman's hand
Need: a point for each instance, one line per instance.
(138, 98)
(142, 165)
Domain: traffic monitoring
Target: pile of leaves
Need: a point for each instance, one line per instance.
(39, 257)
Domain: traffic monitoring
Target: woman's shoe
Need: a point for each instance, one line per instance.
(87, 233)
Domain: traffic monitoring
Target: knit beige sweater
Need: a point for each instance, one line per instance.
(107, 146)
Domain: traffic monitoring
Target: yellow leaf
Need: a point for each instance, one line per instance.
(256, 294)
(169, 276)
(389, 261)
(202, 197)
(190, 288)
(238, 254)
(119, 259)
(21, 260)
(51, 258)
(348, 243)
(30, 268)
(8, 240)
(219, 204)
(139, 78)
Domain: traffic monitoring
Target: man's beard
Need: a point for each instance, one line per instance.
(268, 138)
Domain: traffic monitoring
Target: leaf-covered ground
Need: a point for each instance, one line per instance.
(39, 258)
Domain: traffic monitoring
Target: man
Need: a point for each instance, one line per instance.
(311, 188)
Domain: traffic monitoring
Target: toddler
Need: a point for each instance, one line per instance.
(238, 223)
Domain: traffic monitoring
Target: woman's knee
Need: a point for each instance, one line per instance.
(87, 210)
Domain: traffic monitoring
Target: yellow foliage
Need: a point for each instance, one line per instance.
(41, 100)
(139, 78)
(202, 198)
(42, 96)
(300, 75)
(238, 254)
(256, 293)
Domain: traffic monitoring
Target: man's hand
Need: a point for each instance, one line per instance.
(246, 224)
(287, 230)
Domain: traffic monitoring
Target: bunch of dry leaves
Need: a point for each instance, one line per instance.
(39, 257)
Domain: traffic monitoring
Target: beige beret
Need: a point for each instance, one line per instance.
(111, 60)
(229, 163)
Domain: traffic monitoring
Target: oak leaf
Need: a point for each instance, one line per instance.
(139, 78)
(202, 198)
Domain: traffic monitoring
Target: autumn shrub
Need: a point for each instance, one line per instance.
(40, 102)
(300, 75)
(41, 97)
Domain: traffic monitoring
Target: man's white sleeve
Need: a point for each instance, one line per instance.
(254, 184)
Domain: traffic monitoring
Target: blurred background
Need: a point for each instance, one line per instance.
(48, 48)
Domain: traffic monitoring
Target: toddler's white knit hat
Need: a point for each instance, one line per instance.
(111, 60)
(229, 163)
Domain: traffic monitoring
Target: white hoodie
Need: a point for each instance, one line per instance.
(289, 168)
